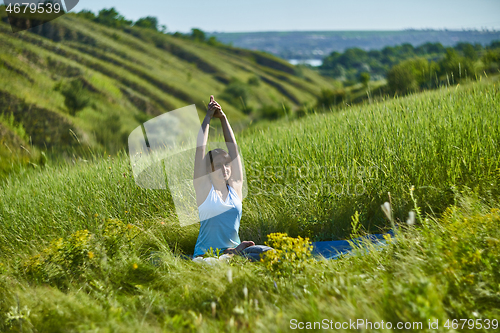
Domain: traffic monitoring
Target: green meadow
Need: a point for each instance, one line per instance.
(84, 249)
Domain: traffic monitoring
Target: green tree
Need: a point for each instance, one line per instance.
(491, 60)
(455, 68)
(430, 48)
(213, 41)
(421, 70)
(148, 22)
(401, 79)
(86, 14)
(198, 35)
(494, 45)
(468, 50)
(389, 52)
(406, 50)
(339, 72)
(412, 75)
(111, 18)
(354, 57)
(364, 78)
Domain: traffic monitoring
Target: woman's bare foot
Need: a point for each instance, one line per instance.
(243, 245)
(230, 251)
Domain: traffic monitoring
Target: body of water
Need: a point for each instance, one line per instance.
(312, 62)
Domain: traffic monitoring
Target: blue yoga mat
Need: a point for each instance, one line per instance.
(335, 249)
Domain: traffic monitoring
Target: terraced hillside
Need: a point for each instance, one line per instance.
(118, 78)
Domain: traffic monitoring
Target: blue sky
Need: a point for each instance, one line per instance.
(285, 15)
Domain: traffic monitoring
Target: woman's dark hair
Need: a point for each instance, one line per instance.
(210, 157)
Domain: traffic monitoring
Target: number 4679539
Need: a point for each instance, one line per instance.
(33, 8)
(471, 324)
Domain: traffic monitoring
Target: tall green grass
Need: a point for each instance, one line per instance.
(437, 142)
(444, 143)
(305, 177)
(442, 270)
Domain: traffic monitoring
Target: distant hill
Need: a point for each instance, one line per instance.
(72, 77)
(318, 44)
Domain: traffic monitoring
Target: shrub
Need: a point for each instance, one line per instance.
(118, 234)
(302, 112)
(290, 255)
(107, 132)
(273, 112)
(236, 93)
(16, 127)
(213, 41)
(254, 81)
(329, 98)
(62, 259)
(75, 96)
(473, 251)
(65, 260)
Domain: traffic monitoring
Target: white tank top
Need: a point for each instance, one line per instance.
(219, 222)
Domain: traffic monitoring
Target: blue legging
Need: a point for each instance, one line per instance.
(253, 252)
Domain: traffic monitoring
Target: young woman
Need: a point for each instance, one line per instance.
(218, 182)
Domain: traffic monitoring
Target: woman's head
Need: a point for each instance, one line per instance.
(218, 164)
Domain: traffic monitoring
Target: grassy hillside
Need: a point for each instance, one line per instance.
(118, 78)
(306, 177)
(76, 241)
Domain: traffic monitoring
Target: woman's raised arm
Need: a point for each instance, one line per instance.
(232, 147)
(201, 142)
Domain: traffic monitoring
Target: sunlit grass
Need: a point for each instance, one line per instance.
(437, 151)
(304, 177)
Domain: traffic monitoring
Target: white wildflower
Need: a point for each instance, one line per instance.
(245, 292)
(411, 218)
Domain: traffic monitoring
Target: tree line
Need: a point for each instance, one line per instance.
(111, 18)
(409, 68)
(354, 61)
